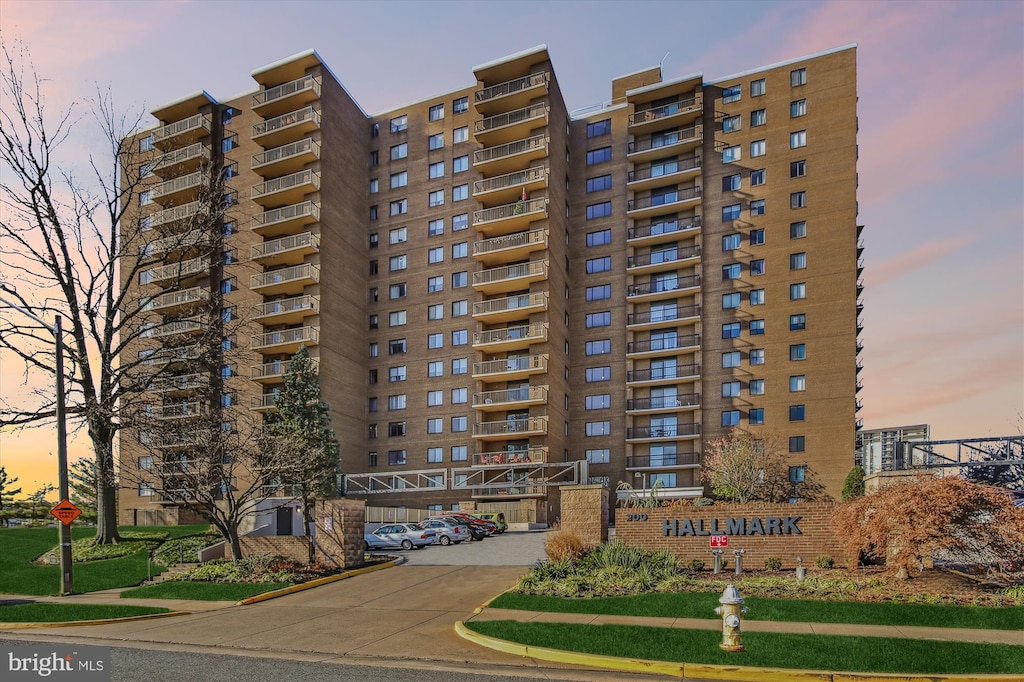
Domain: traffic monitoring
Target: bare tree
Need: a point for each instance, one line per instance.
(75, 249)
(6, 490)
(743, 468)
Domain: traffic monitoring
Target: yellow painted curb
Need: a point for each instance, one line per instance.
(101, 621)
(740, 673)
(313, 583)
(896, 677)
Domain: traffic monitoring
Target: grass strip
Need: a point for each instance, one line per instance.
(183, 589)
(48, 612)
(765, 649)
(702, 605)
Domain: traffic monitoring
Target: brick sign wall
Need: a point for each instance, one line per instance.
(762, 530)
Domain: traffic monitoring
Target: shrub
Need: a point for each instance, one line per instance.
(1015, 592)
(824, 561)
(182, 550)
(853, 486)
(773, 563)
(564, 545)
(703, 502)
(695, 565)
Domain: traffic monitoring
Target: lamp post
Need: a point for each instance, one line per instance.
(66, 581)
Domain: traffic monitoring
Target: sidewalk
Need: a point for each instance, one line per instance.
(113, 597)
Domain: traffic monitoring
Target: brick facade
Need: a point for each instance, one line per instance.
(291, 547)
(339, 531)
(585, 511)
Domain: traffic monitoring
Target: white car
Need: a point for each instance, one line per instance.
(447, 533)
(404, 535)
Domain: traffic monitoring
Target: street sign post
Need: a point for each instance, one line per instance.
(66, 512)
(719, 541)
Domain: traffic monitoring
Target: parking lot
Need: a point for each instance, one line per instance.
(511, 548)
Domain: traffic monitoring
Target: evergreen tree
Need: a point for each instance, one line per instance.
(6, 491)
(853, 486)
(82, 482)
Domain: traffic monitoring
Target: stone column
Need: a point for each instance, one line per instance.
(339, 531)
(585, 511)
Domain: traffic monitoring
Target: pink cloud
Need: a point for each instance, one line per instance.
(919, 257)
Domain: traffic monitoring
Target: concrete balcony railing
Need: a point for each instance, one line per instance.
(177, 242)
(305, 273)
(664, 256)
(189, 157)
(185, 183)
(532, 455)
(537, 331)
(285, 337)
(182, 410)
(663, 402)
(175, 214)
(177, 299)
(306, 118)
(511, 242)
(286, 217)
(513, 426)
(526, 115)
(501, 151)
(521, 213)
(661, 343)
(495, 310)
(690, 135)
(183, 131)
(516, 179)
(690, 163)
(673, 226)
(669, 373)
(297, 153)
(516, 276)
(510, 87)
(267, 401)
(275, 369)
(182, 383)
(663, 431)
(657, 201)
(298, 307)
(683, 106)
(677, 459)
(183, 270)
(166, 356)
(520, 364)
(302, 243)
(301, 182)
(663, 285)
(518, 394)
(191, 325)
(305, 88)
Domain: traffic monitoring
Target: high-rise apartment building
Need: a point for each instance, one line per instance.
(502, 296)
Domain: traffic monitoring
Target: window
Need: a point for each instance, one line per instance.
(435, 398)
(460, 279)
(598, 128)
(459, 396)
(731, 271)
(374, 350)
(730, 301)
(600, 292)
(460, 308)
(399, 179)
(599, 456)
(435, 368)
(797, 291)
(756, 356)
(373, 216)
(460, 134)
(396, 402)
(400, 151)
(602, 401)
(435, 455)
(436, 198)
(758, 117)
(460, 366)
(146, 490)
(757, 237)
(731, 123)
(731, 359)
(399, 262)
(757, 177)
(145, 198)
(460, 250)
(599, 183)
(374, 157)
(798, 108)
(146, 143)
(460, 222)
(460, 337)
(460, 192)
(731, 212)
(396, 429)
(731, 154)
(602, 319)
(595, 156)
(797, 322)
(797, 383)
(796, 413)
(435, 171)
(435, 341)
(459, 424)
(371, 405)
(730, 389)
(603, 428)
(731, 183)
(731, 241)
(732, 93)
(398, 235)
(756, 386)
(460, 164)
(600, 347)
(436, 112)
(396, 457)
(798, 77)
(796, 443)
(798, 169)
(396, 347)
(435, 255)
(460, 106)
(374, 186)
(459, 453)
(228, 285)
(730, 417)
(757, 88)
(397, 291)
(798, 200)
(435, 141)
(797, 261)
(798, 139)
(756, 415)
(396, 318)
(595, 374)
(599, 238)
(399, 207)
(758, 148)
(599, 264)
(599, 210)
(731, 330)
(797, 351)
(757, 266)
(399, 123)
(757, 207)
(757, 297)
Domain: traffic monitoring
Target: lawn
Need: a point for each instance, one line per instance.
(702, 605)
(48, 612)
(180, 589)
(764, 649)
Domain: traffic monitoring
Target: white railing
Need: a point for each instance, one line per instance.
(511, 395)
(193, 151)
(509, 149)
(296, 272)
(510, 241)
(305, 177)
(279, 215)
(287, 305)
(537, 268)
(292, 118)
(532, 174)
(178, 127)
(285, 336)
(521, 363)
(511, 426)
(534, 111)
(192, 266)
(535, 331)
(286, 90)
(286, 152)
(498, 305)
(173, 298)
(175, 213)
(508, 87)
(510, 210)
(289, 243)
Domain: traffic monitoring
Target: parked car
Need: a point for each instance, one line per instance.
(475, 532)
(404, 535)
(490, 528)
(448, 533)
(497, 518)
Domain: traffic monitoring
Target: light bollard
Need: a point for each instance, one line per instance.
(731, 611)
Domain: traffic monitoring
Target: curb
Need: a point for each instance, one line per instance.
(703, 670)
(100, 621)
(313, 583)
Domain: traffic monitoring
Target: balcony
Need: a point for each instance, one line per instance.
(683, 111)
(497, 310)
(510, 247)
(177, 242)
(510, 398)
(183, 410)
(510, 369)
(510, 186)
(180, 188)
(663, 345)
(664, 259)
(285, 190)
(673, 403)
(272, 372)
(672, 142)
(509, 492)
(508, 218)
(535, 454)
(670, 373)
(290, 250)
(285, 340)
(171, 356)
(679, 459)
(289, 280)
(659, 230)
(286, 310)
(663, 432)
(288, 158)
(660, 317)
(188, 326)
(182, 133)
(510, 277)
(511, 125)
(662, 288)
(665, 171)
(185, 383)
(510, 156)
(172, 217)
(178, 301)
(511, 428)
(185, 160)
(177, 272)
(286, 219)
(511, 94)
(510, 338)
(287, 96)
(659, 203)
(263, 403)
(286, 128)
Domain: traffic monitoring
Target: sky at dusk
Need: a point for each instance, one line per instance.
(941, 88)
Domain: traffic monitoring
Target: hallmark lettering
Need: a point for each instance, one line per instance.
(770, 525)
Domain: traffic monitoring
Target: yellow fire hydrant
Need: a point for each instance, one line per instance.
(731, 611)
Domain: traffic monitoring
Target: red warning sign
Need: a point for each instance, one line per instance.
(66, 512)
(719, 541)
